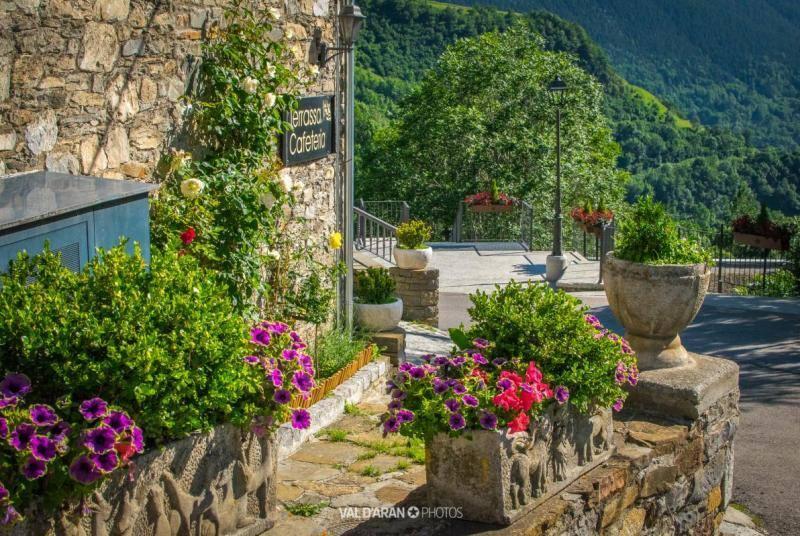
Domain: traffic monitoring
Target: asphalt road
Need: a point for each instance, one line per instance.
(763, 337)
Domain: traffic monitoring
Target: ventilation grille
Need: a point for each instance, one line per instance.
(70, 259)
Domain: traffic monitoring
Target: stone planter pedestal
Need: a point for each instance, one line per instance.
(497, 478)
(419, 290)
(220, 482)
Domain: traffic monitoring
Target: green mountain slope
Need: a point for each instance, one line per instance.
(724, 63)
(704, 174)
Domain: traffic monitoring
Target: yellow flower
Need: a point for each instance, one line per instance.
(191, 188)
(335, 240)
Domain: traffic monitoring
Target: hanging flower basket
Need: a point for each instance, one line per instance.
(483, 202)
(761, 233)
(490, 208)
(758, 241)
(592, 221)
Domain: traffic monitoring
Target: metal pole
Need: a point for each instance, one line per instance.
(557, 223)
(348, 188)
(719, 260)
(764, 273)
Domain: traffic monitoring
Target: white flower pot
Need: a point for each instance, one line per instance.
(378, 316)
(413, 259)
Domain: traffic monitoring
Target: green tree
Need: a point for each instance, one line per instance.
(484, 111)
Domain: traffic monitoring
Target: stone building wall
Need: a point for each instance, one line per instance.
(95, 86)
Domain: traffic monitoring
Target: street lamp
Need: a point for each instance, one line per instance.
(350, 21)
(556, 262)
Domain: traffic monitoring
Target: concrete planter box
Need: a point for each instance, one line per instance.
(413, 259)
(654, 304)
(496, 478)
(378, 316)
(220, 482)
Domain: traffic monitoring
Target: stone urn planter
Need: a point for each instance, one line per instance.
(378, 316)
(494, 477)
(413, 259)
(654, 303)
(219, 482)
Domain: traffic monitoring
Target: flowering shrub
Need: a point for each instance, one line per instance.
(164, 343)
(529, 347)
(288, 370)
(46, 458)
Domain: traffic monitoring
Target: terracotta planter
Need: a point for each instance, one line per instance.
(219, 482)
(412, 259)
(654, 304)
(758, 241)
(490, 208)
(497, 478)
(378, 316)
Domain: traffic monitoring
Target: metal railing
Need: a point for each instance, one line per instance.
(592, 246)
(391, 211)
(514, 223)
(743, 269)
(373, 234)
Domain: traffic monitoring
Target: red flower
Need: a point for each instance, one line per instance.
(513, 376)
(479, 374)
(125, 450)
(508, 400)
(533, 374)
(520, 423)
(188, 236)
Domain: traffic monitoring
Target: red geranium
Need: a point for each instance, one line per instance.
(519, 423)
(188, 236)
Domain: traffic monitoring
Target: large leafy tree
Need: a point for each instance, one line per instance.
(483, 113)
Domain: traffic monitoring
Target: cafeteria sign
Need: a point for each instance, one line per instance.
(310, 136)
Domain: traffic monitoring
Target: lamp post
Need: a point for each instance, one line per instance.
(350, 20)
(556, 262)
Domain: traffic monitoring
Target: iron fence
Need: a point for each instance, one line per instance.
(390, 211)
(514, 223)
(743, 269)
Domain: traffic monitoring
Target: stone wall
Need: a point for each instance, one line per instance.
(419, 290)
(94, 86)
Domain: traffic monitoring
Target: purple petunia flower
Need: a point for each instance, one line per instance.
(562, 394)
(488, 420)
(119, 421)
(401, 377)
(33, 468)
(395, 405)
(391, 425)
(301, 419)
(15, 386)
(43, 448)
(399, 395)
(307, 363)
(251, 359)
(3, 493)
(440, 387)
(390, 385)
(452, 404)
(417, 373)
(21, 436)
(282, 396)
(8, 402)
(302, 381)
(295, 336)
(42, 415)
(440, 361)
(457, 421)
(276, 328)
(481, 344)
(106, 462)
(459, 389)
(289, 355)
(94, 408)
(9, 516)
(59, 431)
(137, 439)
(84, 470)
(470, 401)
(405, 366)
(479, 359)
(427, 358)
(618, 405)
(277, 378)
(100, 439)
(405, 415)
(259, 336)
(3, 428)
(499, 361)
(458, 361)
(504, 384)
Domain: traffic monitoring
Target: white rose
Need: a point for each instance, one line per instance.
(275, 13)
(274, 254)
(267, 199)
(285, 181)
(250, 85)
(191, 188)
(270, 99)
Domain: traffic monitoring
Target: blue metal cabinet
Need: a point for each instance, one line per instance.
(74, 214)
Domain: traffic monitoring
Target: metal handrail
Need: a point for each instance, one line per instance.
(374, 235)
(392, 211)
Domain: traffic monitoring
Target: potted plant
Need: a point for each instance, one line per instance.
(761, 232)
(411, 251)
(655, 282)
(592, 219)
(376, 308)
(490, 201)
(509, 419)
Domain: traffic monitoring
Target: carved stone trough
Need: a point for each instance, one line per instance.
(497, 478)
(220, 482)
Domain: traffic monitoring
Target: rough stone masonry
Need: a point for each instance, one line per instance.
(95, 86)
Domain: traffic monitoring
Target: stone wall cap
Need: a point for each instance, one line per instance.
(656, 270)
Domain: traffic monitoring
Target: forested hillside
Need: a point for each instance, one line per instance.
(727, 63)
(704, 174)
